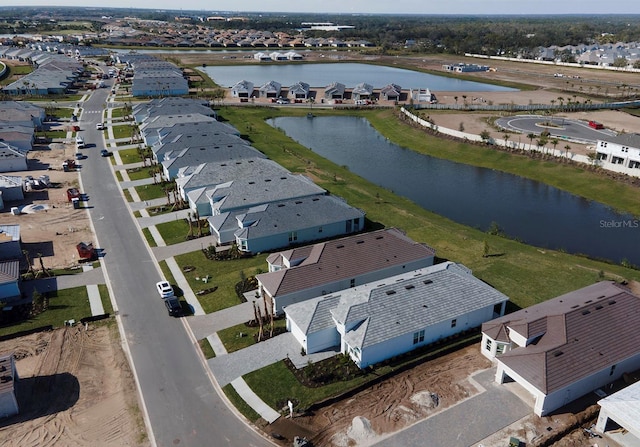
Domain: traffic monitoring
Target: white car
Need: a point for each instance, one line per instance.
(164, 289)
(100, 126)
(79, 142)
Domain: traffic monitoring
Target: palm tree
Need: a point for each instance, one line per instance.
(567, 148)
(531, 136)
(554, 143)
(506, 136)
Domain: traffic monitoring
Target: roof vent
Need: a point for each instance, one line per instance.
(575, 307)
(379, 237)
(391, 292)
(409, 286)
(612, 302)
(585, 312)
(587, 302)
(558, 353)
(598, 307)
(427, 281)
(340, 246)
(360, 242)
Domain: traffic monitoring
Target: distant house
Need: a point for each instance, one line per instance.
(391, 92)
(10, 281)
(465, 68)
(8, 377)
(362, 91)
(281, 224)
(11, 158)
(242, 89)
(308, 272)
(334, 90)
(21, 113)
(623, 409)
(270, 89)
(299, 90)
(622, 149)
(19, 136)
(11, 187)
(10, 242)
(382, 319)
(422, 95)
(569, 346)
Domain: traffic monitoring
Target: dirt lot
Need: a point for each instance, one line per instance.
(53, 232)
(75, 388)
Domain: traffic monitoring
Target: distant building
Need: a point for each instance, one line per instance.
(623, 149)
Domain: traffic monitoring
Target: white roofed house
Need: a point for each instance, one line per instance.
(292, 222)
(11, 158)
(299, 90)
(303, 273)
(271, 89)
(362, 91)
(382, 319)
(242, 89)
(623, 409)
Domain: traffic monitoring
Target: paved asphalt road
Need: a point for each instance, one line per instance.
(572, 129)
(182, 405)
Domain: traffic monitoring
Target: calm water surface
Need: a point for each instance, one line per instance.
(531, 211)
(349, 74)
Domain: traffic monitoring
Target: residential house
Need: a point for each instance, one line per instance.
(391, 92)
(19, 136)
(622, 149)
(251, 190)
(362, 91)
(11, 188)
(11, 158)
(422, 95)
(10, 242)
(308, 272)
(8, 377)
(174, 160)
(10, 281)
(566, 347)
(276, 225)
(271, 89)
(299, 90)
(385, 318)
(333, 91)
(157, 136)
(623, 410)
(21, 113)
(242, 89)
(175, 141)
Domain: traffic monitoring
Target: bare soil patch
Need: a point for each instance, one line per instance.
(53, 232)
(392, 404)
(75, 388)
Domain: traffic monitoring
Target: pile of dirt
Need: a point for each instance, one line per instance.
(75, 388)
(397, 402)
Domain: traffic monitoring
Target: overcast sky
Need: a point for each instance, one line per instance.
(366, 6)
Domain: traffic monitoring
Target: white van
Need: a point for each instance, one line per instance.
(80, 142)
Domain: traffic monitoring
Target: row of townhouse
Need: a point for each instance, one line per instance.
(622, 149)
(18, 122)
(335, 91)
(53, 74)
(250, 201)
(154, 77)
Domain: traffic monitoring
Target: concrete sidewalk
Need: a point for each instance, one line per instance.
(168, 251)
(268, 414)
(205, 325)
(95, 302)
(145, 222)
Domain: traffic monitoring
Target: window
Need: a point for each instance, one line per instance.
(418, 337)
(243, 244)
(454, 322)
(500, 348)
(497, 309)
(487, 345)
(352, 283)
(293, 236)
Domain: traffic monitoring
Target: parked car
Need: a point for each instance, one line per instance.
(164, 289)
(282, 101)
(80, 142)
(173, 306)
(105, 153)
(100, 126)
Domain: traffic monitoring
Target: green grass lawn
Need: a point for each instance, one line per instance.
(51, 133)
(149, 237)
(150, 192)
(176, 231)
(206, 348)
(117, 113)
(240, 404)
(61, 112)
(127, 195)
(119, 176)
(129, 156)
(139, 173)
(233, 341)
(105, 297)
(123, 130)
(67, 304)
(526, 274)
(223, 274)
